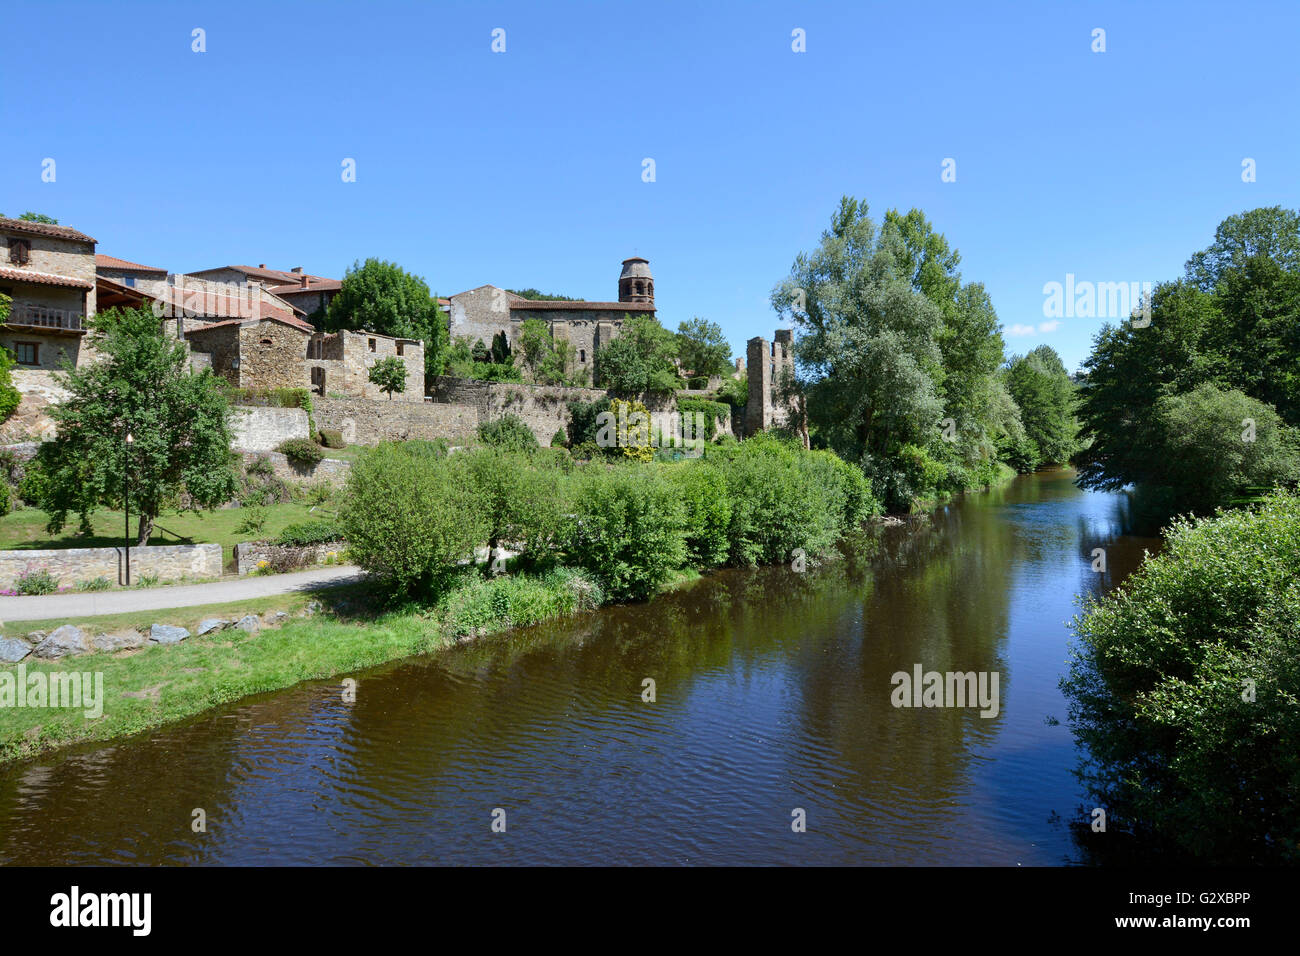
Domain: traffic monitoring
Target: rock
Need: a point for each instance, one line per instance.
(13, 649)
(249, 623)
(62, 641)
(313, 607)
(167, 634)
(121, 641)
(279, 617)
(211, 624)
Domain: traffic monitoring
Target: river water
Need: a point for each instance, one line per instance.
(772, 694)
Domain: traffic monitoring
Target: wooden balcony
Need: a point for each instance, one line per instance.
(35, 318)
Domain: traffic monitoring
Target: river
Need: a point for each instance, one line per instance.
(772, 695)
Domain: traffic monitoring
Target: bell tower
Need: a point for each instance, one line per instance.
(635, 284)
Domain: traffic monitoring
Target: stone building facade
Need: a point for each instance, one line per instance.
(274, 352)
(483, 313)
(48, 272)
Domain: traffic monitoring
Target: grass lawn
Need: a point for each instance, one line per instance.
(156, 685)
(25, 529)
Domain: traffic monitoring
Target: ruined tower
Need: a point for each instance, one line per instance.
(635, 284)
(766, 364)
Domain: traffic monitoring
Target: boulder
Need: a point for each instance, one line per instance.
(13, 649)
(211, 624)
(121, 641)
(249, 623)
(167, 634)
(61, 642)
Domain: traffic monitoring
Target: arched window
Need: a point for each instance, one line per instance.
(266, 341)
(640, 287)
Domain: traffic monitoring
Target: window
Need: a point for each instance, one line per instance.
(128, 280)
(372, 345)
(318, 380)
(268, 342)
(27, 353)
(401, 346)
(20, 251)
(582, 355)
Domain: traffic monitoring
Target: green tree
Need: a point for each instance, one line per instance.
(37, 217)
(389, 374)
(10, 397)
(639, 359)
(702, 348)
(1270, 232)
(178, 420)
(1041, 388)
(381, 297)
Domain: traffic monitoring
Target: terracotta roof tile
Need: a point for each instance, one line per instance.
(560, 306)
(45, 278)
(111, 262)
(43, 229)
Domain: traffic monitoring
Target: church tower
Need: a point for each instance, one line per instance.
(635, 284)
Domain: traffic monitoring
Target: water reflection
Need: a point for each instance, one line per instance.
(773, 693)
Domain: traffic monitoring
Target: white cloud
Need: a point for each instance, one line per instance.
(1051, 326)
(1021, 330)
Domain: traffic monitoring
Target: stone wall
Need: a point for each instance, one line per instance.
(31, 419)
(68, 566)
(333, 470)
(248, 554)
(365, 421)
(260, 428)
(272, 355)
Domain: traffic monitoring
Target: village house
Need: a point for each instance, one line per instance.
(308, 295)
(48, 272)
(481, 314)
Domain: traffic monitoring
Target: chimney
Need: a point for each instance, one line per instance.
(296, 269)
(304, 280)
(261, 265)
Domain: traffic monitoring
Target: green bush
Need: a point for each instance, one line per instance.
(508, 432)
(582, 421)
(628, 531)
(301, 451)
(559, 439)
(1184, 685)
(34, 484)
(95, 584)
(702, 490)
(252, 521)
(712, 413)
(522, 499)
(10, 397)
(6, 499)
(477, 605)
(409, 517)
(331, 438)
(306, 533)
(37, 582)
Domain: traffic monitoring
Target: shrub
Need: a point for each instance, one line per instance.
(252, 521)
(711, 413)
(307, 533)
(559, 439)
(478, 605)
(34, 484)
(582, 420)
(331, 438)
(10, 397)
(301, 451)
(508, 432)
(702, 490)
(95, 584)
(1174, 742)
(408, 517)
(628, 530)
(261, 466)
(39, 581)
(522, 503)
(6, 499)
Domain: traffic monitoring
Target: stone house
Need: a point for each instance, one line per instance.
(306, 294)
(484, 312)
(277, 351)
(48, 272)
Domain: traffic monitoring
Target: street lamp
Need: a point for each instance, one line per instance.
(126, 501)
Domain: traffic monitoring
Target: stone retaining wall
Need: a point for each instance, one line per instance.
(333, 470)
(262, 428)
(170, 562)
(249, 553)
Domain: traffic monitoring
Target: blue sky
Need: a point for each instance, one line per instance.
(524, 168)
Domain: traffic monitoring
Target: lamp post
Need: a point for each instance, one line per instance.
(126, 501)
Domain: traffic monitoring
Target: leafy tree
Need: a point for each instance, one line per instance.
(37, 217)
(1041, 388)
(639, 359)
(10, 397)
(735, 392)
(702, 348)
(389, 374)
(381, 297)
(1269, 232)
(178, 420)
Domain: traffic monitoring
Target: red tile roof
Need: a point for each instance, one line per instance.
(45, 278)
(314, 284)
(111, 262)
(43, 229)
(277, 316)
(561, 306)
(201, 304)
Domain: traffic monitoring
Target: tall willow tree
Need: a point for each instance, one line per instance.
(891, 343)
